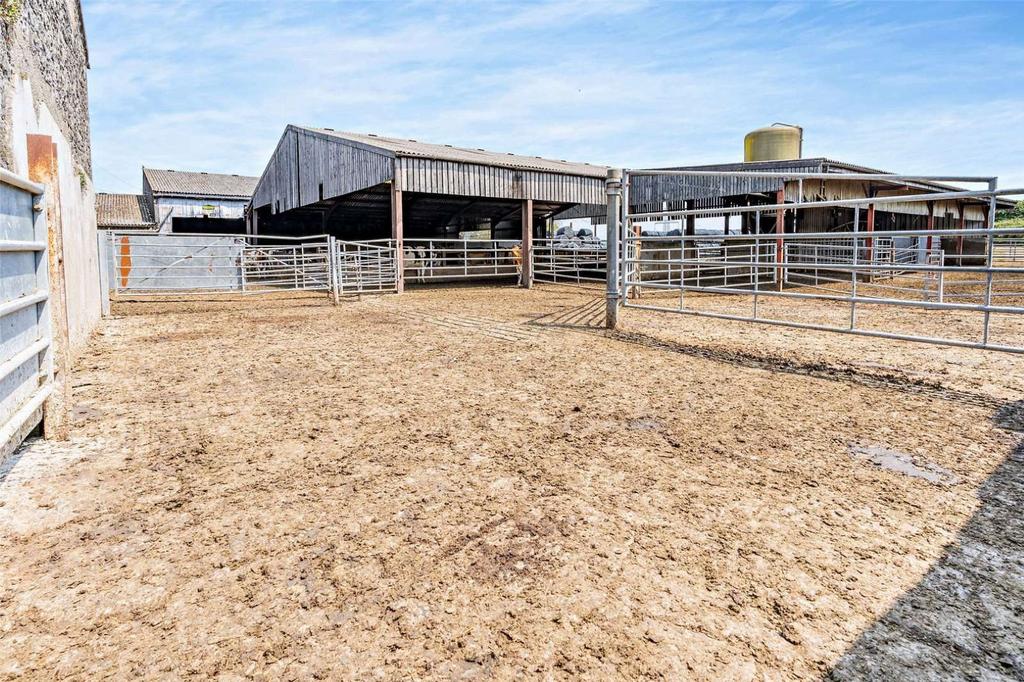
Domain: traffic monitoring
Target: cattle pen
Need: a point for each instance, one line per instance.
(311, 453)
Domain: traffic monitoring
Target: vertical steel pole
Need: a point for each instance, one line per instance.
(526, 255)
(989, 259)
(854, 274)
(757, 259)
(332, 260)
(780, 228)
(613, 189)
(626, 252)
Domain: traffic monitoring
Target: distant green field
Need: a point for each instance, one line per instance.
(1011, 218)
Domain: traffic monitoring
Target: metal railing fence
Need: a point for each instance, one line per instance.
(1009, 250)
(152, 264)
(446, 260)
(363, 267)
(301, 267)
(860, 268)
(566, 262)
(26, 345)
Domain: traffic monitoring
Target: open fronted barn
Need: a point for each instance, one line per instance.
(725, 186)
(360, 187)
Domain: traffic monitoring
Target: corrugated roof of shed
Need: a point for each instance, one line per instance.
(446, 152)
(123, 210)
(199, 184)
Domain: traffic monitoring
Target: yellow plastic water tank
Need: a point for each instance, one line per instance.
(775, 143)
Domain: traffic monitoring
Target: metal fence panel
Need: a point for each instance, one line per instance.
(144, 263)
(907, 269)
(26, 361)
(364, 267)
(449, 260)
(564, 261)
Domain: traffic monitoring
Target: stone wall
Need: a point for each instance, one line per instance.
(43, 41)
(43, 91)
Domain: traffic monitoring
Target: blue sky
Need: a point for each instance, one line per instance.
(927, 87)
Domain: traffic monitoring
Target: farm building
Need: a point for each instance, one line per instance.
(124, 212)
(45, 137)
(180, 201)
(651, 194)
(368, 187)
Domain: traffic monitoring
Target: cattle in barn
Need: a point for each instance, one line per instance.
(516, 253)
(414, 261)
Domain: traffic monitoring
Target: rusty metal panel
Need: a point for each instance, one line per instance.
(43, 168)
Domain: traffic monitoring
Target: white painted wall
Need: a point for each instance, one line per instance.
(77, 210)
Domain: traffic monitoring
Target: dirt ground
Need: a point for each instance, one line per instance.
(481, 483)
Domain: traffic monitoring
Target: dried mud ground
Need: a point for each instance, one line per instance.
(481, 483)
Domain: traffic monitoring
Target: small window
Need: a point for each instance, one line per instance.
(321, 191)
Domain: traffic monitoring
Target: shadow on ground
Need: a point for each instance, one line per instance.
(589, 317)
(965, 619)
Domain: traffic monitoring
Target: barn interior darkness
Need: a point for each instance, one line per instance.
(367, 215)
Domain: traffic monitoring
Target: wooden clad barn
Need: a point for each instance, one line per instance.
(364, 186)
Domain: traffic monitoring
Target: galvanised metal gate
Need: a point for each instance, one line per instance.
(793, 279)
(296, 267)
(451, 260)
(363, 267)
(26, 344)
(152, 264)
(565, 261)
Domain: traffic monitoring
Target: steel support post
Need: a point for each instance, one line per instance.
(989, 258)
(526, 251)
(780, 248)
(613, 188)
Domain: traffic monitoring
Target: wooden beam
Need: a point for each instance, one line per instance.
(526, 274)
(398, 233)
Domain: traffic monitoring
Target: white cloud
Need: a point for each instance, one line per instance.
(212, 85)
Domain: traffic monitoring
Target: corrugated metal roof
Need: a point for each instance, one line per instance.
(123, 210)
(446, 152)
(199, 184)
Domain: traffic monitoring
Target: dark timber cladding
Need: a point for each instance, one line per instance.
(343, 183)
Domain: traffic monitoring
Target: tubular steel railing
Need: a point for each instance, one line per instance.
(302, 267)
(27, 352)
(152, 264)
(445, 260)
(565, 261)
(816, 271)
(364, 267)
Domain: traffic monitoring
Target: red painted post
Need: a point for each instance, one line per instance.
(43, 168)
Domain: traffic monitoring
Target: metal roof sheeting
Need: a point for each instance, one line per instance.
(124, 211)
(447, 152)
(653, 193)
(198, 184)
